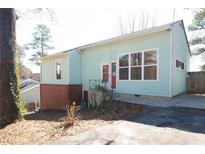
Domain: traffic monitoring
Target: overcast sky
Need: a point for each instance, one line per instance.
(77, 27)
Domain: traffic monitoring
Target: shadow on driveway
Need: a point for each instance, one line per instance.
(186, 119)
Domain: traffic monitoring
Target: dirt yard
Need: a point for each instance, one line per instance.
(47, 126)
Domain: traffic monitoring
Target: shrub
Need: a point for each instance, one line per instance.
(22, 109)
(72, 113)
(100, 94)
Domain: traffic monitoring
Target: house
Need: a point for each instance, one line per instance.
(151, 62)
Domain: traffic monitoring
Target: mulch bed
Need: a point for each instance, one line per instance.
(46, 126)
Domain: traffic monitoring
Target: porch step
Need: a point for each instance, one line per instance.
(143, 100)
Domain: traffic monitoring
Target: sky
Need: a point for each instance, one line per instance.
(75, 27)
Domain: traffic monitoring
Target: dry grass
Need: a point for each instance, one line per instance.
(45, 127)
(72, 114)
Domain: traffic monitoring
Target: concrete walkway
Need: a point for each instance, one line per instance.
(185, 100)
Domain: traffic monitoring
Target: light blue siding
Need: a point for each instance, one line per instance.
(70, 69)
(48, 70)
(181, 52)
(74, 67)
(94, 57)
(80, 67)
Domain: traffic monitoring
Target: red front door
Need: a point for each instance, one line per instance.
(113, 75)
(105, 72)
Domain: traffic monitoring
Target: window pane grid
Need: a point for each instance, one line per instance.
(141, 66)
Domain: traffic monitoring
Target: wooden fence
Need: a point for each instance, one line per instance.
(196, 82)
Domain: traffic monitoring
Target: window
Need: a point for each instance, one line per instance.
(105, 72)
(150, 65)
(179, 64)
(150, 72)
(138, 66)
(58, 71)
(124, 67)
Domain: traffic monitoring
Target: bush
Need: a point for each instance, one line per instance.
(72, 113)
(22, 109)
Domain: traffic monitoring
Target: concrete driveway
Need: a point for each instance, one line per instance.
(156, 125)
(185, 100)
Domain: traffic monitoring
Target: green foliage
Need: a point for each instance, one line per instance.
(198, 24)
(198, 51)
(22, 109)
(35, 57)
(40, 43)
(16, 93)
(203, 67)
(100, 87)
(100, 95)
(198, 40)
(198, 21)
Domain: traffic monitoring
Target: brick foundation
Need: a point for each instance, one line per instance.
(56, 96)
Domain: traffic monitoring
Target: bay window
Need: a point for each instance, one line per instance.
(138, 66)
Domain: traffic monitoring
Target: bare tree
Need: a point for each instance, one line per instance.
(128, 23)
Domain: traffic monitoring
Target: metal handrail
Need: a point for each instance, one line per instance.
(94, 83)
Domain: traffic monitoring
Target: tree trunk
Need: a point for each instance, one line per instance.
(8, 80)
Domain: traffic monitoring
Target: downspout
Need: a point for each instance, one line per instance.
(40, 83)
(78, 50)
(171, 60)
(171, 56)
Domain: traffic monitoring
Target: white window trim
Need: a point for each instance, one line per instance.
(179, 69)
(58, 62)
(118, 67)
(129, 71)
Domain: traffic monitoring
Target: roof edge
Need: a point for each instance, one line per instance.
(54, 55)
(128, 36)
(122, 37)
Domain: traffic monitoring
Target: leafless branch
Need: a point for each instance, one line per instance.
(29, 13)
(128, 24)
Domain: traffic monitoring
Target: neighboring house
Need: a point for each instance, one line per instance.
(152, 62)
(26, 73)
(30, 91)
(35, 76)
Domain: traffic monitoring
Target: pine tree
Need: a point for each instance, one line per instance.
(40, 42)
